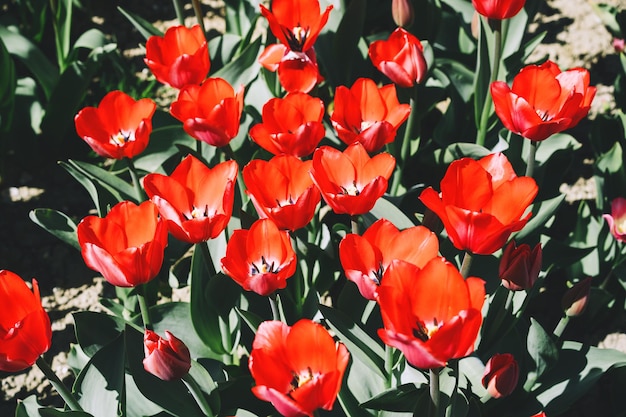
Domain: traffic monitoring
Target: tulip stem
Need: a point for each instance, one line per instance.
(405, 149)
(530, 163)
(354, 223)
(433, 410)
(388, 365)
(208, 261)
(63, 391)
(560, 327)
(466, 265)
(274, 306)
(486, 111)
(230, 154)
(197, 9)
(141, 196)
(143, 306)
(197, 394)
(180, 15)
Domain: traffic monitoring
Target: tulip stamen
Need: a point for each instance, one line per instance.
(301, 378)
(264, 267)
(377, 275)
(121, 138)
(351, 189)
(296, 38)
(621, 226)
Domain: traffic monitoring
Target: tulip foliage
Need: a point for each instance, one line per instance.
(363, 219)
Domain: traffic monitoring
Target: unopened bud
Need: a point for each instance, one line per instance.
(520, 266)
(402, 12)
(501, 375)
(575, 299)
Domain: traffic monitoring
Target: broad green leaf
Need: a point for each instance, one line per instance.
(29, 407)
(162, 147)
(62, 31)
(387, 210)
(243, 68)
(91, 39)
(542, 212)
(114, 183)
(142, 25)
(542, 351)
(57, 224)
(402, 398)
(346, 40)
(612, 161)
(49, 412)
(358, 387)
(558, 142)
(95, 330)
(101, 196)
(7, 88)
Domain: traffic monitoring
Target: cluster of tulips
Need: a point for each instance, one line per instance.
(431, 309)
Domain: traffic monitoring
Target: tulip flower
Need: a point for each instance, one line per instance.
(575, 299)
(368, 114)
(543, 100)
(166, 357)
(299, 368)
(402, 12)
(365, 258)
(501, 375)
(127, 245)
(498, 9)
(260, 259)
(400, 57)
(195, 200)
(520, 266)
(351, 181)
(431, 314)
(296, 24)
(119, 127)
(180, 57)
(617, 219)
(282, 190)
(210, 112)
(481, 202)
(291, 125)
(25, 332)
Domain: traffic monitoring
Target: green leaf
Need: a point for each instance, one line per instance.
(402, 398)
(49, 412)
(542, 351)
(142, 25)
(543, 211)
(612, 161)
(95, 330)
(387, 210)
(62, 31)
(8, 84)
(346, 40)
(358, 342)
(243, 68)
(162, 147)
(29, 407)
(99, 387)
(252, 320)
(57, 224)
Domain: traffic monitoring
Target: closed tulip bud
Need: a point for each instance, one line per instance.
(575, 299)
(520, 266)
(618, 45)
(501, 375)
(402, 12)
(167, 358)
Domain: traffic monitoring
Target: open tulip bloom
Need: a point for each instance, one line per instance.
(498, 9)
(617, 219)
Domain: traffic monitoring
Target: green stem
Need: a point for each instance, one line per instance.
(354, 223)
(388, 365)
(208, 261)
(486, 111)
(405, 149)
(143, 306)
(63, 391)
(141, 195)
(560, 327)
(197, 394)
(466, 265)
(274, 306)
(435, 391)
(230, 154)
(180, 15)
(197, 9)
(530, 164)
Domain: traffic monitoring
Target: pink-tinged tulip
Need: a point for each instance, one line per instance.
(400, 57)
(166, 357)
(520, 266)
(297, 71)
(575, 299)
(180, 57)
(210, 112)
(351, 181)
(617, 219)
(298, 369)
(368, 114)
(365, 258)
(260, 259)
(195, 200)
(481, 202)
(119, 127)
(498, 9)
(282, 189)
(402, 12)
(291, 125)
(619, 45)
(431, 314)
(25, 332)
(501, 375)
(127, 245)
(543, 100)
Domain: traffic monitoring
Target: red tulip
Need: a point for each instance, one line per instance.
(481, 202)
(127, 245)
(520, 266)
(166, 357)
(260, 259)
(210, 112)
(431, 314)
(299, 368)
(119, 127)
(400, 57)
(543, 100)
(501, 375)
(25, 332)
(498, 9)
(296, 23)
(368, 114)
(291, 125)
(365, 258)
(282, 190)
(617, 219)
(297, 71)
(195, 200)
(180, 57)
(576, 298)
(351, 181)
